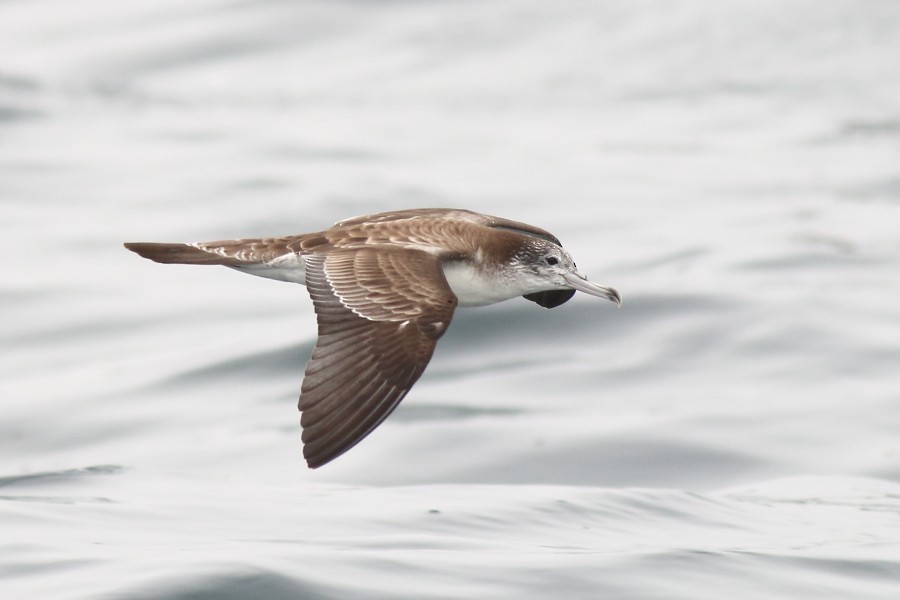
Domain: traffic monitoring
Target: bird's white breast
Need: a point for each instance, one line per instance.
(475, 287)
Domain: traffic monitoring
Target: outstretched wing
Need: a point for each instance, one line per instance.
(380, 313)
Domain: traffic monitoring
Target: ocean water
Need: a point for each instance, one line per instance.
(730, 432)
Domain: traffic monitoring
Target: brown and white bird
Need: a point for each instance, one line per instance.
(384, 287)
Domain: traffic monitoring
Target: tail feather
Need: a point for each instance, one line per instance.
(183, 254)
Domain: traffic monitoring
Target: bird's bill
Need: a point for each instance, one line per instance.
(577, 282)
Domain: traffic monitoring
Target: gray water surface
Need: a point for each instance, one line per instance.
(730, 432)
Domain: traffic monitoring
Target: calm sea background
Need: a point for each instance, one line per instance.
(733, 168)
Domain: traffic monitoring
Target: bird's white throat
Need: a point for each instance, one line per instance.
(477, 287)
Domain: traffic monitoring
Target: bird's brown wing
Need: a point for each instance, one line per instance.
(380, 313)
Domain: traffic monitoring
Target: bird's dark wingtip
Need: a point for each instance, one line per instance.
(314, 462)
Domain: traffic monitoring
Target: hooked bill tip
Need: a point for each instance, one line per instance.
(616, 297)
(583, 285)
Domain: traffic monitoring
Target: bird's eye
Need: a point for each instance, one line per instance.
(552, 260)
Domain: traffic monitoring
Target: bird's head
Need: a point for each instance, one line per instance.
(550, 271)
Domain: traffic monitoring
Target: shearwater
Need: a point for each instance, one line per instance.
(384, 288)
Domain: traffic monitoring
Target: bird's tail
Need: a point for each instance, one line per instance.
(182, 254)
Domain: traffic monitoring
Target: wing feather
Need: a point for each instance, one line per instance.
(380, 313)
